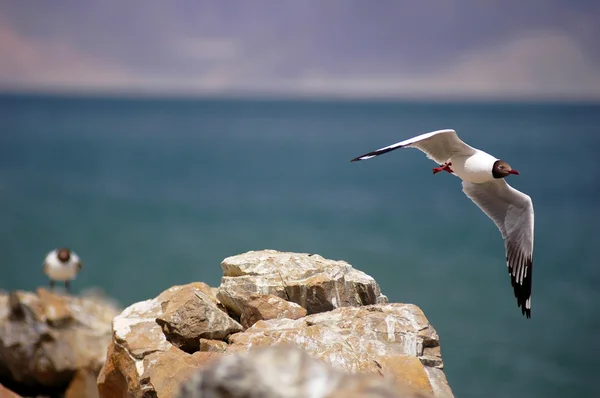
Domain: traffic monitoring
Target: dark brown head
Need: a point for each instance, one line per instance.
(502, 169)
(63, 255)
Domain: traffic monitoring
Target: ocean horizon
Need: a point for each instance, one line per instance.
(154, 192)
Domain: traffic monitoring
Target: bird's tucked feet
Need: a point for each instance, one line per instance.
(443, 167)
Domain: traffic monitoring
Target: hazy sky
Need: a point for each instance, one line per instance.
(352, 48)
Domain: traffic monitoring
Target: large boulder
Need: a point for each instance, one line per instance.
(51, 342)
(286, 371)
(189, 315)
(313, 282)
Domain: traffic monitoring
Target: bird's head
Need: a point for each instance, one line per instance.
(502, 169)
(63, 255)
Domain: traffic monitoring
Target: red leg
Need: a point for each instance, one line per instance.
(443, 167)
(437, 169)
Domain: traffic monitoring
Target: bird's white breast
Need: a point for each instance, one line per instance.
(61, 271)
(475, 168)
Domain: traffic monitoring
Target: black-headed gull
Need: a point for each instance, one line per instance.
(483, 182)
(62, 265)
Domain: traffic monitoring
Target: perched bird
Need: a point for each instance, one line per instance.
(62, 265)
(483, 182)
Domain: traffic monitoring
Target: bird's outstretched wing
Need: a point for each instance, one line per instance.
(512, 211)
(438, 145)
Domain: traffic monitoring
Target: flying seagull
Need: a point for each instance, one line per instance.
(483, 182)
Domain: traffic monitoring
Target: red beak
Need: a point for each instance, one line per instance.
(513, 172)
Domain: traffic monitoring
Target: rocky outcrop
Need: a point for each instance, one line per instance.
(286, 371)
(52, 343)
(160, 344)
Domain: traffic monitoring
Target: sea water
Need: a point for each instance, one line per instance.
(156, 192)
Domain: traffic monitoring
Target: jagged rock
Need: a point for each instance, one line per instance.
(46, 338)
(313, 282)
(263, 307)
(391, 339)
(190, 315)
(141, 361)
(286, 372)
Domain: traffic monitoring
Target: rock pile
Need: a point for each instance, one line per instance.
(51, 344)
(200, 337)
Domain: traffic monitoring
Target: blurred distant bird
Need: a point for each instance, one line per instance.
(62, 265)
(483, 182)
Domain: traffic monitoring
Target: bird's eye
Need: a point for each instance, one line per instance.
(500, 167)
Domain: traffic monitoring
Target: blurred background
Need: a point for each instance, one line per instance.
(157, 138)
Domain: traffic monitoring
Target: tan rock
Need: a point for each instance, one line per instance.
(167, 371)
(213, 345)
(141, 361)
(371, 387)
(285, 371)
(111, 380)
(83, 385)
(6, 393)
(46, 338)
(407, 370)
(313, 282)
(55, 307)
(190, 315)
(210, 292)
(387, 339)
(263, 307)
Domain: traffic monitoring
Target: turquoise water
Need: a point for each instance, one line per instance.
(152, 193)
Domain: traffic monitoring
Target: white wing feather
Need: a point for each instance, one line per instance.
(512, 212)
(438, 145)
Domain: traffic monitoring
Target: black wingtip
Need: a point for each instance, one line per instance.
(369, 155)
(523, 291)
